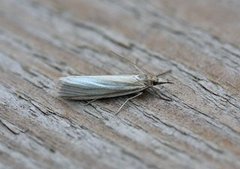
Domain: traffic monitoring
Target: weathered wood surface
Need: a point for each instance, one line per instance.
(42, 40)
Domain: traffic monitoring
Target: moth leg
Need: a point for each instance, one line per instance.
(166, 98)
(138, 94)
(89, 102)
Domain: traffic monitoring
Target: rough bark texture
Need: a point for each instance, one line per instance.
(42, 40)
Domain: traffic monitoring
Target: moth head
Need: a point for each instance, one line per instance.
(153, 80)
(162, 81)
(159, 81)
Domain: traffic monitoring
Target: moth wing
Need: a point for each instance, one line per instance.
(94, 87)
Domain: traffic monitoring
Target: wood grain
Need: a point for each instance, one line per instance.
(44, 40)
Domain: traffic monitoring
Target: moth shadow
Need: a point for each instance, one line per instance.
(116, 104)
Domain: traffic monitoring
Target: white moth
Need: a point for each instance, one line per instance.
(98, 87)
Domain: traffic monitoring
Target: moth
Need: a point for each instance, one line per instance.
(107, 86)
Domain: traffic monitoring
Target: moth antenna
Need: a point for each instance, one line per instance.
(135, 65)
(167, 82)
(162, 74)
(138, 68)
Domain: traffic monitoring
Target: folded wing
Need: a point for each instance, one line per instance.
(95, 87)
